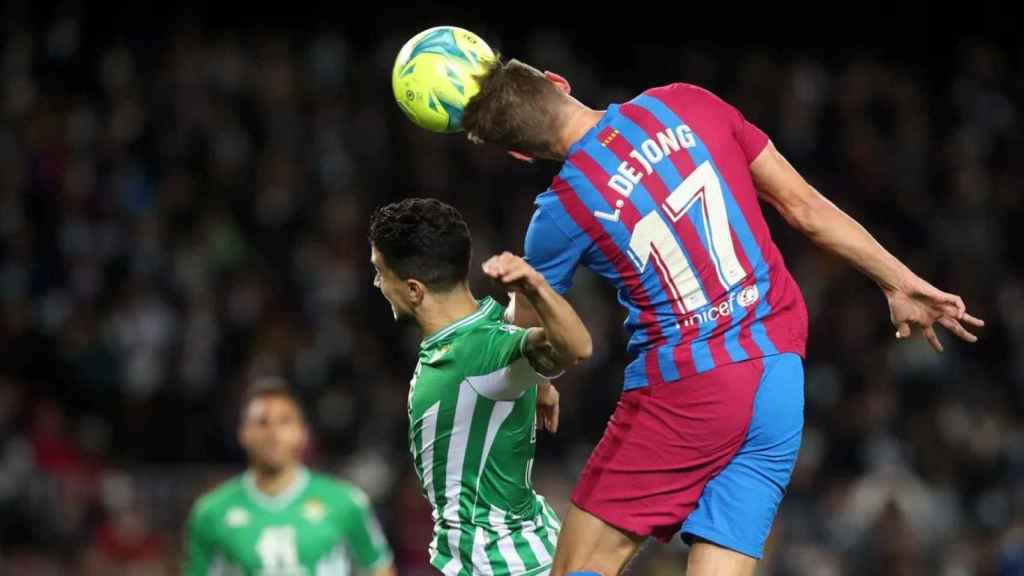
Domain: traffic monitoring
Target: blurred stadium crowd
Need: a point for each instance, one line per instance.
(179, 215)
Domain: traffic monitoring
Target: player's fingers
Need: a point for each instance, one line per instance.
(521, 272)
(554, 420)
(951, 310)
(902, 331)
(957, 303)
(490, 266)
(957, 329)
(947, 301)
(508, 262)
(949, 304)
(973, 321)
(510, 275)
(961, 306)
(547, 418)
(933, 339)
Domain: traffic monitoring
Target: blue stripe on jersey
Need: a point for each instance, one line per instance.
(592, 258)
(619, 235)
(595, 260)
(666, 314)
(737, 220)
(700, 154)
(732, 334)
(700, 346)
(700, 351)
(670, 177)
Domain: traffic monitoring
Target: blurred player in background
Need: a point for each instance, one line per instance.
(475, 391)
(278, 518)
(659, 195)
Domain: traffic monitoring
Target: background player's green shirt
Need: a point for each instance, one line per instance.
(314, 528)
(472, 408)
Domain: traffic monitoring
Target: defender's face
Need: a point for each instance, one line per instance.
(273, 432)
(391, 286)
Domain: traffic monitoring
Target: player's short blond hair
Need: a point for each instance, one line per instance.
(517, 108)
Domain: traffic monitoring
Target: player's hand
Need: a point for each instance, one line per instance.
(547, 407)
(513, 273)
(919, 305)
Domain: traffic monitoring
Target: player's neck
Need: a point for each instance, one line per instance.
(580, 121)
(443, 310)
(274, 482)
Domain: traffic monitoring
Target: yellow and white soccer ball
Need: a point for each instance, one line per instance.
(433, 77)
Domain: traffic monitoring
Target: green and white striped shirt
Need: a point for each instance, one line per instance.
(472, 433)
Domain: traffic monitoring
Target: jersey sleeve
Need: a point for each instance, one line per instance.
(497, 368)
(363, 533)
(752, 140)
(552, 252)
(198, 547)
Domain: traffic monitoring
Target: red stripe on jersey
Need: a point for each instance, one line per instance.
(587, 222)
(696, 252)
(691, 244)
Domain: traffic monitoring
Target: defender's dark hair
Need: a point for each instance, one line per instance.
(424, 239)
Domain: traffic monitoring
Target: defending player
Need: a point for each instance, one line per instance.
(474, 392)
(280, 519)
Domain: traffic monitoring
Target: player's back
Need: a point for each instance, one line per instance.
(658, 198)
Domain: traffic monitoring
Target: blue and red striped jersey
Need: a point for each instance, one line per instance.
(658, 199)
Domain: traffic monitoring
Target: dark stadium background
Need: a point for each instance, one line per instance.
(183, 201)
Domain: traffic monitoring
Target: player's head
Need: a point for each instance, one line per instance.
(520, 109)
(420, 249)
(273, 428)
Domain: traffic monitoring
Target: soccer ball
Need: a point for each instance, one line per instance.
(433, 78)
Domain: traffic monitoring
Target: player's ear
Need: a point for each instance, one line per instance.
(521, 156)
(415, 290)
(559, 81)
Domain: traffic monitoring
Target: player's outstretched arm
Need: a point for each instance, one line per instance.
(913, 302)
(562, 340)
(520, 313)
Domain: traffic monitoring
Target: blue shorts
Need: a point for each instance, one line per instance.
(707, 456)
(738, 506)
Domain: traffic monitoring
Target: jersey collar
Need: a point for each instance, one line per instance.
(281, 500)
(594, 130)
(484, 308)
